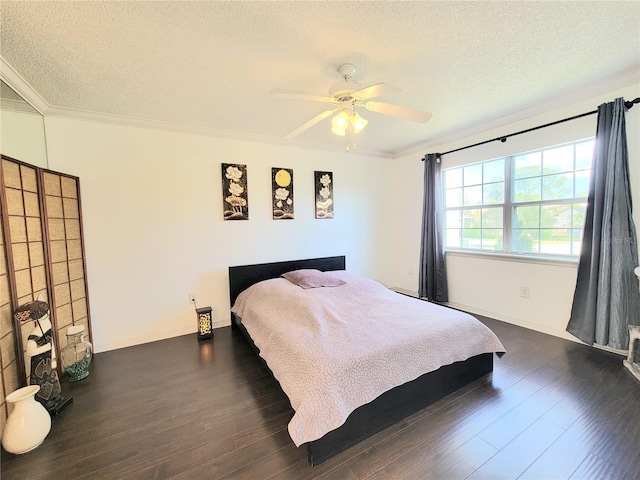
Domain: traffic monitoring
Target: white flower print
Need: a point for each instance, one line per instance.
(233, 173)
(282, 193)
(235, 189)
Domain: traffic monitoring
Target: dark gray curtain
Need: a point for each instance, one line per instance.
(606, 299)
(433, 274)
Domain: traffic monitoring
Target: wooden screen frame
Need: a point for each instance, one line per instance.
(13, 288)
(17, 332)
(48, 255)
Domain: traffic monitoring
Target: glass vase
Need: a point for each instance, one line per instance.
(76, 356)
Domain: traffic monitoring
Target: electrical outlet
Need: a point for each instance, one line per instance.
(524, 292)
(192, 298)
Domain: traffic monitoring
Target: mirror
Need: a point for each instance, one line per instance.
(21, 129)
(22, 137)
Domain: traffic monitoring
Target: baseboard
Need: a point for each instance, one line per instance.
(404, 291)
(514, 321)
(530, 325)
(130, 342)
(498, 316)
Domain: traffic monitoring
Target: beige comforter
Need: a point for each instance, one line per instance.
(334, 349)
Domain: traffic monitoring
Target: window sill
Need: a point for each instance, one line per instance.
(514, 257)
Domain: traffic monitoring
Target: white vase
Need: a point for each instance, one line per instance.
(28, 424)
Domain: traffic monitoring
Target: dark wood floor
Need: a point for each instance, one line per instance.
(180, 409)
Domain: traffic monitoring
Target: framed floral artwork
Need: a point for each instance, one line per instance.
(324, 194)
(235, 200)
(282, 193)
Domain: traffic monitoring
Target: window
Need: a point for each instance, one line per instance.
(532, 203)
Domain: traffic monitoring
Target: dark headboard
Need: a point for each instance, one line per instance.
(242, 277)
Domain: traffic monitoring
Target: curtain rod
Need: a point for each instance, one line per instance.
(503, 138)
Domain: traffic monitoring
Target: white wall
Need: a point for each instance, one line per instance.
(486, 285)
(154, 228)
(22, 137)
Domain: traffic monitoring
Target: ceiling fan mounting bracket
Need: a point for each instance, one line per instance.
(341, 91)
(346, 71)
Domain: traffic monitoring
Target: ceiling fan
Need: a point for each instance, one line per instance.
(348, 95)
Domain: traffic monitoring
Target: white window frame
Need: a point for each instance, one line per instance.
(509, 209)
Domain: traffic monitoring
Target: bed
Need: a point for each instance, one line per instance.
(346, 422)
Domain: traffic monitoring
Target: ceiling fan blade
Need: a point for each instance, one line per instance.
(311, 123)
(377, 90)
(300, 96)
(398, 111)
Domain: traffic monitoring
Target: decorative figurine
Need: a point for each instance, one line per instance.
(42, 353)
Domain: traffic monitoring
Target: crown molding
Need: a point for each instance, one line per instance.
(11, 77)
(565, 99)
(122, 120)
(20, 106)
(17, 82)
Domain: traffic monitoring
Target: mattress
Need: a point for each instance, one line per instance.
(334, 349)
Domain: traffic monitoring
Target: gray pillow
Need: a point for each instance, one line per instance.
(311, 278)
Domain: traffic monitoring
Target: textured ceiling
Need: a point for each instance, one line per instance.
(214, 64)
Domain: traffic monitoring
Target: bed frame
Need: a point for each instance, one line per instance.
(388, 408)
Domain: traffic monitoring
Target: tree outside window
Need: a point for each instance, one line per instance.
(544, 213)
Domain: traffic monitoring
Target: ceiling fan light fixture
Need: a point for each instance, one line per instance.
(340, 121)
(345, 97)
(346, 120)
(358, 122)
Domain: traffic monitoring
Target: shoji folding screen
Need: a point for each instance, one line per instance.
(43, 254)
